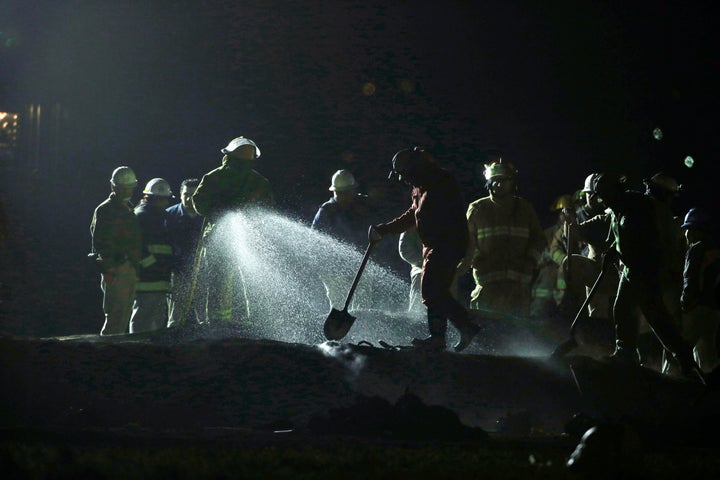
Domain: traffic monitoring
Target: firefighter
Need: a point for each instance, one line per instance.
(699, 299)
(664, 189)
(233, 185)
(637, 235)
(150, 309)
(506, 242)
(590, 239)
(344, 216)
(549, 285)
(116, 244)
(437, 213)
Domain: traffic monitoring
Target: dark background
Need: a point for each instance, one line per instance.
(563, 88)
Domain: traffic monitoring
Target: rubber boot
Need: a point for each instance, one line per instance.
(467, 335)
(437, 326)
(689, 368)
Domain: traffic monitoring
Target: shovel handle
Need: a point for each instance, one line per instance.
(591, 293)
(354, 285)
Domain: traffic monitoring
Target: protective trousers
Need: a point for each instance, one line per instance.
(118, 290)
(149, 312)
(646, 295)
(438, 274)
(225, 290)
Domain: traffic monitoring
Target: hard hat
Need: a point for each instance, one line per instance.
(158, 187)
(499, 168)
(239, 142)
(123, 177)
(604, 182)
(408, 159)
(664, 181)
(561, 202)
(696, 218)
(342, 180)
(589, 186)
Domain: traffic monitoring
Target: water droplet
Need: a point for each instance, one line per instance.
(689, 161)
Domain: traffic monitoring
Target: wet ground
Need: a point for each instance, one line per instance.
(199, 386)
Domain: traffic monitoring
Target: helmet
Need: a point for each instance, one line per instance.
(663, 181)
(605, 182)
(499, 168)
(696, 218)
(589, 186)
(407, 159)
(158, 187)
(239, 142)
(342, 180)
(123, 177)
(561, 202)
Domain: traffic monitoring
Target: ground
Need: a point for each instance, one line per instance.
(213, 405)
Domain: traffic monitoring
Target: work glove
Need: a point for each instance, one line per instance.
(373, 235)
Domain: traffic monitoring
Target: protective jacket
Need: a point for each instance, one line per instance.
(437, 212)
(638, 235)
(115, 233)
(348, 223)
(157, 253)
(507, 240)
(700, 277)
(230, 186)
(184, 231)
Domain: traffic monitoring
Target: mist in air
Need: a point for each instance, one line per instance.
(282, 261)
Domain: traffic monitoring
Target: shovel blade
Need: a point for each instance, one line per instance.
(337, 324)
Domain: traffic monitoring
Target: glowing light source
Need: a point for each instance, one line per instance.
(406, 86)
(657, 133)
(689, 161)
(368, 89)
(8, 129)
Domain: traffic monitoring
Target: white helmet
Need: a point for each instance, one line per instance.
(342, 180)
(239, 142)
(123, 177)
(158, 187)
(589, 186)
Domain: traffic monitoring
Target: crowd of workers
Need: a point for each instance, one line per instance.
(662, 287)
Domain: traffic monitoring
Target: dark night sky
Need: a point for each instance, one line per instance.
(564, 88)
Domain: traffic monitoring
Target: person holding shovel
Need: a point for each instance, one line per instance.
(637, 237)
(438, 213)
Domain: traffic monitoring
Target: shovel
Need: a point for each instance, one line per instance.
(339, 322)
(571, 343)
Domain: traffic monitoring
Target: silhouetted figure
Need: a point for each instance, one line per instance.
(150, 309)
(699, 301)
(233, 185)
(344, 217)
(116, 243)
(636, 232)
(437, 213)
(184, 227)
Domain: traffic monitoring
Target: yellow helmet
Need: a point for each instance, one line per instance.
(499, 168)
(561, 202)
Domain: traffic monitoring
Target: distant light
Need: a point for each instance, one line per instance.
(657, 133)
(406, 86)
(689, 161)
(368, 89)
